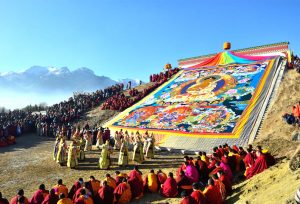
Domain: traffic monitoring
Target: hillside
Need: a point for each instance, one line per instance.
(277, 184)
(99, 117)
(274, 132)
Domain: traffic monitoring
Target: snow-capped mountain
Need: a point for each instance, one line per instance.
(50, 79)
(49, 84)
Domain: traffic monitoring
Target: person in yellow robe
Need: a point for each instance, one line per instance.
(76, 135)
(151, 182)
(80, 147)
(138, 155)
(150, 147)
(99, 138)
(64, 200)
(123, 156)
(145, 142)
(72, 156)
(56, 145)
(117, 140)
(88, 141)
(104, 161)
(61, 157)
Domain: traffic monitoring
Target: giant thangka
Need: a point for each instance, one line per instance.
(219, 98)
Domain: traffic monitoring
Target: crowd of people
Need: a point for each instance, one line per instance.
(120, 102)
(57, 116)
(293, 118)
(163, 76)
(296, 63)
(14, 123)
(206, 179)
(82, 141)
(65, 113)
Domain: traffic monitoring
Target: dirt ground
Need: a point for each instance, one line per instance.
(275, 133)
(29, 163)
(275, 185)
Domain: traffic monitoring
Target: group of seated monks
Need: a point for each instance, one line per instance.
(212, 176)
(204, 179)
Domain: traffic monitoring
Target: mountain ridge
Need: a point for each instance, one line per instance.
(49, 84)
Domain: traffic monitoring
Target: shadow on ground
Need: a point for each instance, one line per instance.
(25, 141)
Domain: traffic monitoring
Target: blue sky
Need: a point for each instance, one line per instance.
(134, 38)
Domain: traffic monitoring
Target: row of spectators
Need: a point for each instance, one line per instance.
(163, 75)
(120, 102)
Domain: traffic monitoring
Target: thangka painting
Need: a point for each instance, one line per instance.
(206, 100)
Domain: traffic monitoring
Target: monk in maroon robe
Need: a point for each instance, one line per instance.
(169, 188)
(119, 177)
(226, 181)
(249, 159)
(202, 169)
(3, 200)
(184, 183)
(51, 198)
(78, 184)
(161, 178)
(186, 199)
(198, 195)
(123, 192)
(18, 197)
(259, 165)
(39, 195)
(217, 168)
(212, 193)
(136, 183)
(106, 194)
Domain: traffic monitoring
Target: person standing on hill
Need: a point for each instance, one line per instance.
(61, 157)
(72, 161)
(88, 141)
(104, 161)
(150, 147)
(123, 156)
(138, 155)
(99, 138)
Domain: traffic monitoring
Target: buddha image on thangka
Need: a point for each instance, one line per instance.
(204, 100)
